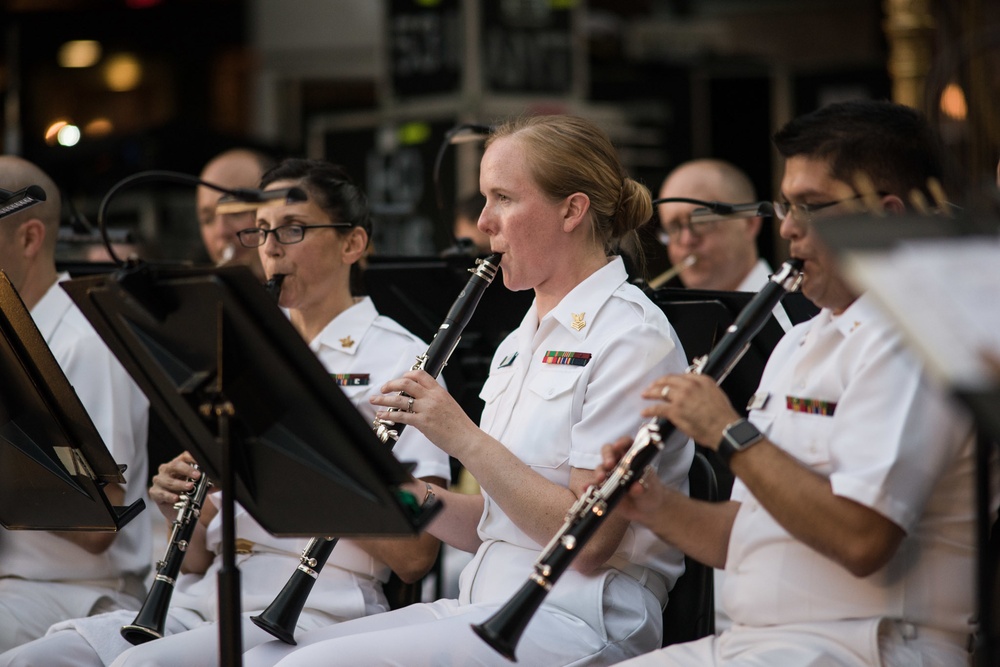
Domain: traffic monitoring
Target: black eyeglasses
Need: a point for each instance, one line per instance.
(255, 237)
(696, 228)
(805, 212)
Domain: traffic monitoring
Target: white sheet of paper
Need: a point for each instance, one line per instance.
(945, 296)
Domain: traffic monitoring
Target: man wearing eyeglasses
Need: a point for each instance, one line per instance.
(723, 252)
(233, 169)
(849, 538)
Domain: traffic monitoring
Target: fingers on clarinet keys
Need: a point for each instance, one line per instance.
(409, 404)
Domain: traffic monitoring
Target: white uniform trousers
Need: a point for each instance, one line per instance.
(439, 634)
(862, 643)
(28, 608)
(186, 644)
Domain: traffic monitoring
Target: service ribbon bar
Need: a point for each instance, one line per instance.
(350, 379)
(812, 406)
(563, 358)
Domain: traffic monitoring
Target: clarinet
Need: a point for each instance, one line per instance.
(281, 616)
(152, 616)
(151, 619)
(503, 629)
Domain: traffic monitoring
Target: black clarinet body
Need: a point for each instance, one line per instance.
(283, 613)
(152, 616)
(503, 630)
(448, 334)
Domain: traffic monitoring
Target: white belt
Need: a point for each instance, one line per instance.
(651, 579)
(911, 631)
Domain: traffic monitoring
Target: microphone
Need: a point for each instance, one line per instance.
(12, 202)
(761, 209)
(709, 211)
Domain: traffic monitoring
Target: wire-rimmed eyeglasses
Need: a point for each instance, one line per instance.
(805, 212)
(254, 237)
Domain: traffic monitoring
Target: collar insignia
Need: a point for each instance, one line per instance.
(578, 323)
(347, 342)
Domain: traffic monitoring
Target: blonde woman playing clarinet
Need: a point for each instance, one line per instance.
(560, 208)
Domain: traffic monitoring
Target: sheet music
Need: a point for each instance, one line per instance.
(945, 296)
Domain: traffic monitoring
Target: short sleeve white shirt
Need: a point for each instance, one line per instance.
(362, 350)
(848, 400)
(120, 412)
(559, 390)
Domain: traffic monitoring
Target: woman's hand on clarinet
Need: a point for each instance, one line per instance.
(694, 404)
(173, 478)
(419, 401)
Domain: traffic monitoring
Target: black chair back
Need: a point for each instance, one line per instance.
(690, 611)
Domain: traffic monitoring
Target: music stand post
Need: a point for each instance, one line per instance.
(239, 388)
(53, 461)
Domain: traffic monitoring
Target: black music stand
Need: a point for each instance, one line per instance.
(889, 257)
(700, 318)
(54, 464)
(242, 391)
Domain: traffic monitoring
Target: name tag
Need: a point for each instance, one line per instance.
(507, 361)
(758, 400)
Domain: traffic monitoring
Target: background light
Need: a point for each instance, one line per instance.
(122, 72)
(99, 127)
(79, 53)
(53, 130)
(953, 102)
(68, 135)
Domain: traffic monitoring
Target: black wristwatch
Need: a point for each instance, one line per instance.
(737, 437)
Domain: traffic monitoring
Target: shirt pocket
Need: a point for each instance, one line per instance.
(552, 384)
(494, 387)
(356, 393)
(813, 444)
(546, 419)
(803, 435)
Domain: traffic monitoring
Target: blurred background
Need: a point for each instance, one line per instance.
(96, 90)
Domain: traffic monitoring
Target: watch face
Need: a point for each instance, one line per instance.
(743, 433)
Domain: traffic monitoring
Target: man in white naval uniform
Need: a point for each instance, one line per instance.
(850, 536)
(47, 577)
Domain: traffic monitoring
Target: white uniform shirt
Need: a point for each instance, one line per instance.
(555, 416)
(363, 350)
(120, 412)
(893, 444)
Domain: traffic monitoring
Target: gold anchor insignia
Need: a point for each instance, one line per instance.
(578, 322)
(856, 325)
(346, 342)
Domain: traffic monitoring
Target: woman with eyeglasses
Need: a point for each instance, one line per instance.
(316, 245)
